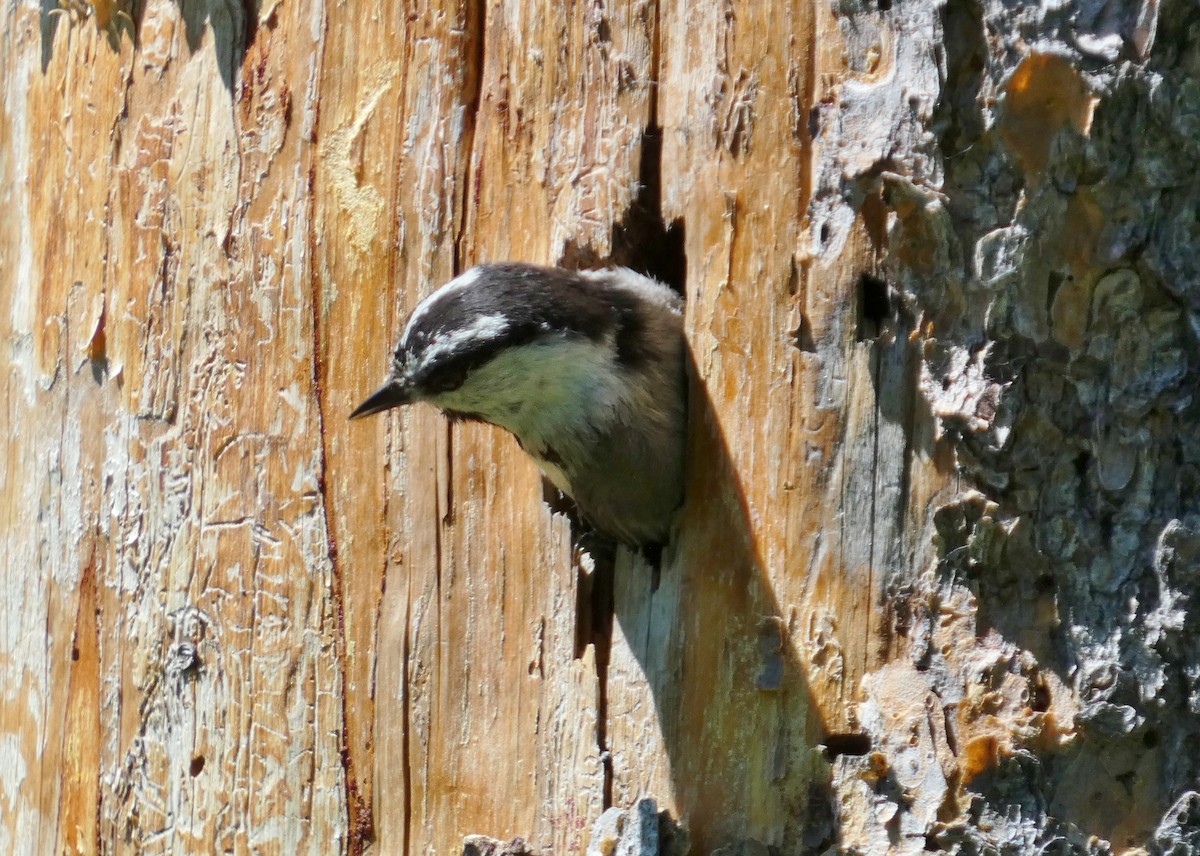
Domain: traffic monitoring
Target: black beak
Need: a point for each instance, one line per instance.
(391, 394)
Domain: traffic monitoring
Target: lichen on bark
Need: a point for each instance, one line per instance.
(1042, 238)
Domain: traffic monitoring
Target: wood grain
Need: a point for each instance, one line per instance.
(232, 621)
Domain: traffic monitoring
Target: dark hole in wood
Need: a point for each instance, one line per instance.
(802, 337)
(848, 743)
(1039, 699)
(874, 306)
(642, 240)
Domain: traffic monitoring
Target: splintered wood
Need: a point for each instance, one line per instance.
(233, 621)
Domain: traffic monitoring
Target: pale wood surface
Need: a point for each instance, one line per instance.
(235, 622)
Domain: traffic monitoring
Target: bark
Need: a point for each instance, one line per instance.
(933, 579)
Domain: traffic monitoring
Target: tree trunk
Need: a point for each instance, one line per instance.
(933, 579)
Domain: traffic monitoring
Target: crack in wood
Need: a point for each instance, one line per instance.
(358, 811)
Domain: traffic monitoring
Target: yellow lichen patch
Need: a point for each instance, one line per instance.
(1013, 705)
(1069, 312)
(1045, 95)
(1085, 223)
(980, 754)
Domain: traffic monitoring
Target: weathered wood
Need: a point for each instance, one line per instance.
(941, 509)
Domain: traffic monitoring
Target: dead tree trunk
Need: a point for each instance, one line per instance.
(933, 579)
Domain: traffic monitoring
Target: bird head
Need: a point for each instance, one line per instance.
(516, 345)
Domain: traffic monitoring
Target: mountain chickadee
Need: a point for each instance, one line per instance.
(585, 368)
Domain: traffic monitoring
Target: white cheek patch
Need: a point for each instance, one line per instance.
(543, 392)
(466, 280)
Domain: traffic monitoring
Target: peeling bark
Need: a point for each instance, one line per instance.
(933, 580)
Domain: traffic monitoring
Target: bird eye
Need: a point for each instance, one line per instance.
(446, 379)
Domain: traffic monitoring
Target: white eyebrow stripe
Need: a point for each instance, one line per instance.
(465, 280)
(484, 328)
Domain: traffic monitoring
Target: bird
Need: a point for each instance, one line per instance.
(585, 368)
